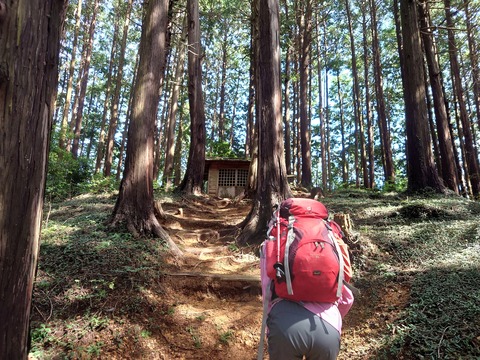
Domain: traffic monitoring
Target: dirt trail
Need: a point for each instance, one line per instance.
(212, 302)
(214, 296)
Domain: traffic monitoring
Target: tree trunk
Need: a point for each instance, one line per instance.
(462, 174)
(106, 102)
(368, 109)
(135, 205)
(470, 154)
(233, 121)
(123, 142)
(421, 168)
(250, 137)
(87, 56)
(327, 133)
(272, 185)
(304, 44)
(287, 82)
(193, 180)
(389, 170)
(177, 159)
(342, 134)
(447, 156)
(161, 122)
(30, 43)
(473, 54)
(297, 144)
(431, 125)
(170, 126)
(323, 155)
(360, 166)
(253, 109)
(223, 81)
(68, 97)
(112, 128)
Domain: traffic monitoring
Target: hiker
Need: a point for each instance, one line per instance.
(303, 311)
(296, 329)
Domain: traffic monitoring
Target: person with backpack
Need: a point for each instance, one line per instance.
(304, 269)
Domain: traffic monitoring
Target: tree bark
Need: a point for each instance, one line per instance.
(421, 168)
(389, 170)
(473, 54)
(360, 164)
(135, 204)
(345, 174)
(304, 45)
(250, 137)
(87, 56)
(106, 102)
(170, 126)
(323, 155)
(223, 81)
(193, 180)
(470, 154)
(447, 156)
(253, 110)
(112, 128)
(29, 43)
(68, 96)
(272, 185)
(123, 142)
(177, 159)
(370, 147)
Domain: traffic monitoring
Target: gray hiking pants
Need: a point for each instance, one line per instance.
(294, 332)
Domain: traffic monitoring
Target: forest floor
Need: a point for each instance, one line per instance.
(102, 294)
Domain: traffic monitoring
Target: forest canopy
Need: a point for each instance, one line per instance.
(354, 108)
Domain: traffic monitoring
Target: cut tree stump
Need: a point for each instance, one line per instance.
(346, 224)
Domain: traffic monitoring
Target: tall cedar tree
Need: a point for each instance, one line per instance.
(251, 141)
(368, 109)
(272, 185)
(112, 127)
(135, 204)
(86, 57)
(447, 155)
(193, 180)
(71, 72)
(473, 53)
(304, 44)
(29, 43)
(286, 96)
(359, 126)
(421, 168)
(472, 168)
(385, 141)
(106, 101)
(172, 114)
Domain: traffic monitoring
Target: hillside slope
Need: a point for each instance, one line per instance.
(102, 294)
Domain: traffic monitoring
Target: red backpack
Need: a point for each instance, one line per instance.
(305, 255)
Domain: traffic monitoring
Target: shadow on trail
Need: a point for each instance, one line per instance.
(100, 293)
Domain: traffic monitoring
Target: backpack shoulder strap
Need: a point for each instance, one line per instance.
(286, 263)
(341, 263)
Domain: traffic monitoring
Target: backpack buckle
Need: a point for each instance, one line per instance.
(280, 272)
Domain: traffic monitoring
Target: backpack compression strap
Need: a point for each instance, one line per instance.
(341, 263)
(286, 263)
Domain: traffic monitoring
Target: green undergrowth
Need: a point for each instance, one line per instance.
(90, 279)
(93, 284)
(433, 244)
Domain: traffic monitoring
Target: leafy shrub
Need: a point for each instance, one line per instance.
(65, 174)
(99, 184)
